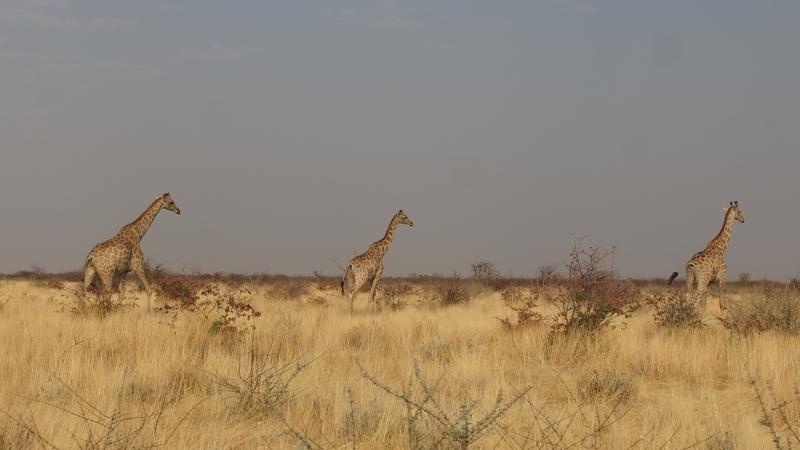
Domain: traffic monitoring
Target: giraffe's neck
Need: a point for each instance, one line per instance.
(382, 246)
(135, 231)
(723, 238)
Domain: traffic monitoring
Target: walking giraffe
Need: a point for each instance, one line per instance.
(708, 265)
(121, 254)
(369, 265)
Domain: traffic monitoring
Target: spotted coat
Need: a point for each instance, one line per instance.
(708, 266)
(110, 260)
(368, 266)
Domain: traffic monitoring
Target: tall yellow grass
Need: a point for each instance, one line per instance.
(630, 386)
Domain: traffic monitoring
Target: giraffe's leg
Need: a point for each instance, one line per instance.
(351, 297)
(721, 279)
(720, 286)
(146, 285)
(347, 286)
(702, 291)
(107, 280)
(693, 293)
(375, 280)
(114, 284)
(690, 279)
(138, 268)
(121, 286)
(89, 275)
(696, 286)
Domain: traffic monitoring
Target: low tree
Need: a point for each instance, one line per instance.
(484, 270)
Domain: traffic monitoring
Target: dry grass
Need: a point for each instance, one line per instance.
(307, 373)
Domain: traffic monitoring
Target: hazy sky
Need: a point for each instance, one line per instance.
(289, 132)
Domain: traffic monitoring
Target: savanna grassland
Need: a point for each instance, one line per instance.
(280, 363)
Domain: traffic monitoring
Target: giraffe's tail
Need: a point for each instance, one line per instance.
(672, 277)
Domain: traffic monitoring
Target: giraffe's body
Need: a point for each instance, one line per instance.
(114, 258)
(368, 266)
(708, 266)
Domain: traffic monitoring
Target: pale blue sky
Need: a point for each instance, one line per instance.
(289, 132)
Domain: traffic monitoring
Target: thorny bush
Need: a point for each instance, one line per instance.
(677, 309)
(232, 310)
(395, 295)
(523, 303)
(286, 288)
(257, 381)
(181, 289)
(778, 309)
(593, 295)
(449, 292)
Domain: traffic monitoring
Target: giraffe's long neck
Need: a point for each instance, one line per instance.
(136, 230)
(723, 238)
(383, 245)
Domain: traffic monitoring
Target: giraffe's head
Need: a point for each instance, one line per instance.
(169, 204)
(403, 218)
(734, 208)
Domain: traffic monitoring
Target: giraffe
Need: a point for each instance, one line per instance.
(112, 259)
(708, 266)
(368, 266)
